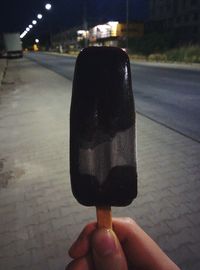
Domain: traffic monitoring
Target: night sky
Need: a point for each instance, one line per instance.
(16, 15)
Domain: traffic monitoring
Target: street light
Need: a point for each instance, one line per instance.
(85, 23)
(48, 6)
(23, 34)
(37, 40)
(39, 16)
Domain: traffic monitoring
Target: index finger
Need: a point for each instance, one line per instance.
(81, 246)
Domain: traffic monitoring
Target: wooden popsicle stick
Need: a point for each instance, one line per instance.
(104, 217)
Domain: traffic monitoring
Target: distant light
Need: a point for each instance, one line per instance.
(34, 22)
(27, 29)
(81, 32)
(37, 40)
(39, 16)
(113, 23)
(30, 26)
(23, 34)
(48, 6)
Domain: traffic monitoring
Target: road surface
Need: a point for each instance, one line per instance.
(166, 94)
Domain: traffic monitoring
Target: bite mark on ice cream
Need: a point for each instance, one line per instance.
(99, 160)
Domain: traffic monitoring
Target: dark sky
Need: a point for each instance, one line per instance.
(16, 15)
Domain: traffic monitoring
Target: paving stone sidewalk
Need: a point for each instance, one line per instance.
(39, 218)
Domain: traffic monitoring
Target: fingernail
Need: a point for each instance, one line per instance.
(104, 242)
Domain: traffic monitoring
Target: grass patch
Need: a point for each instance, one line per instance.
(186, 54)
(164, 47)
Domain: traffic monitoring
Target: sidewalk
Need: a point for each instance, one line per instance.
(39, 216)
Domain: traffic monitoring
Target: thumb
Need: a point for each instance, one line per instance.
(107, 251)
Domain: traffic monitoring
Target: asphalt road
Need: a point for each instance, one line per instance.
(167, 94)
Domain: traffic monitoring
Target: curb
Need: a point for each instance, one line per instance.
(175, 65)
(3, 66)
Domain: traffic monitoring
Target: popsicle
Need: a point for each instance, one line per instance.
(102, 129)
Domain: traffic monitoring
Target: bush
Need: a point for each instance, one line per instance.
(138, 57)
(151, 43)
(157, 57)
(162, 47)
(188, 54)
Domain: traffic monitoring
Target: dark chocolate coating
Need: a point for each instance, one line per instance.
(102, 129)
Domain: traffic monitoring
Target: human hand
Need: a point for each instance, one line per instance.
(125, 247)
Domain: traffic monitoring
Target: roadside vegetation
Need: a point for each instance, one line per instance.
(163, 48)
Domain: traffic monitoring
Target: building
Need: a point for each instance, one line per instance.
(180, 16)
(114, 33)
(111, 33)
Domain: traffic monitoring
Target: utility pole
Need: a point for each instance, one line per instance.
(127, 24)
(85, 23)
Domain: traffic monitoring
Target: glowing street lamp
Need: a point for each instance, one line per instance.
(37, 40)
(23, 34)
(48, 6)
(39, 16)
(30, 26)
(27, 29)
(34, 22)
